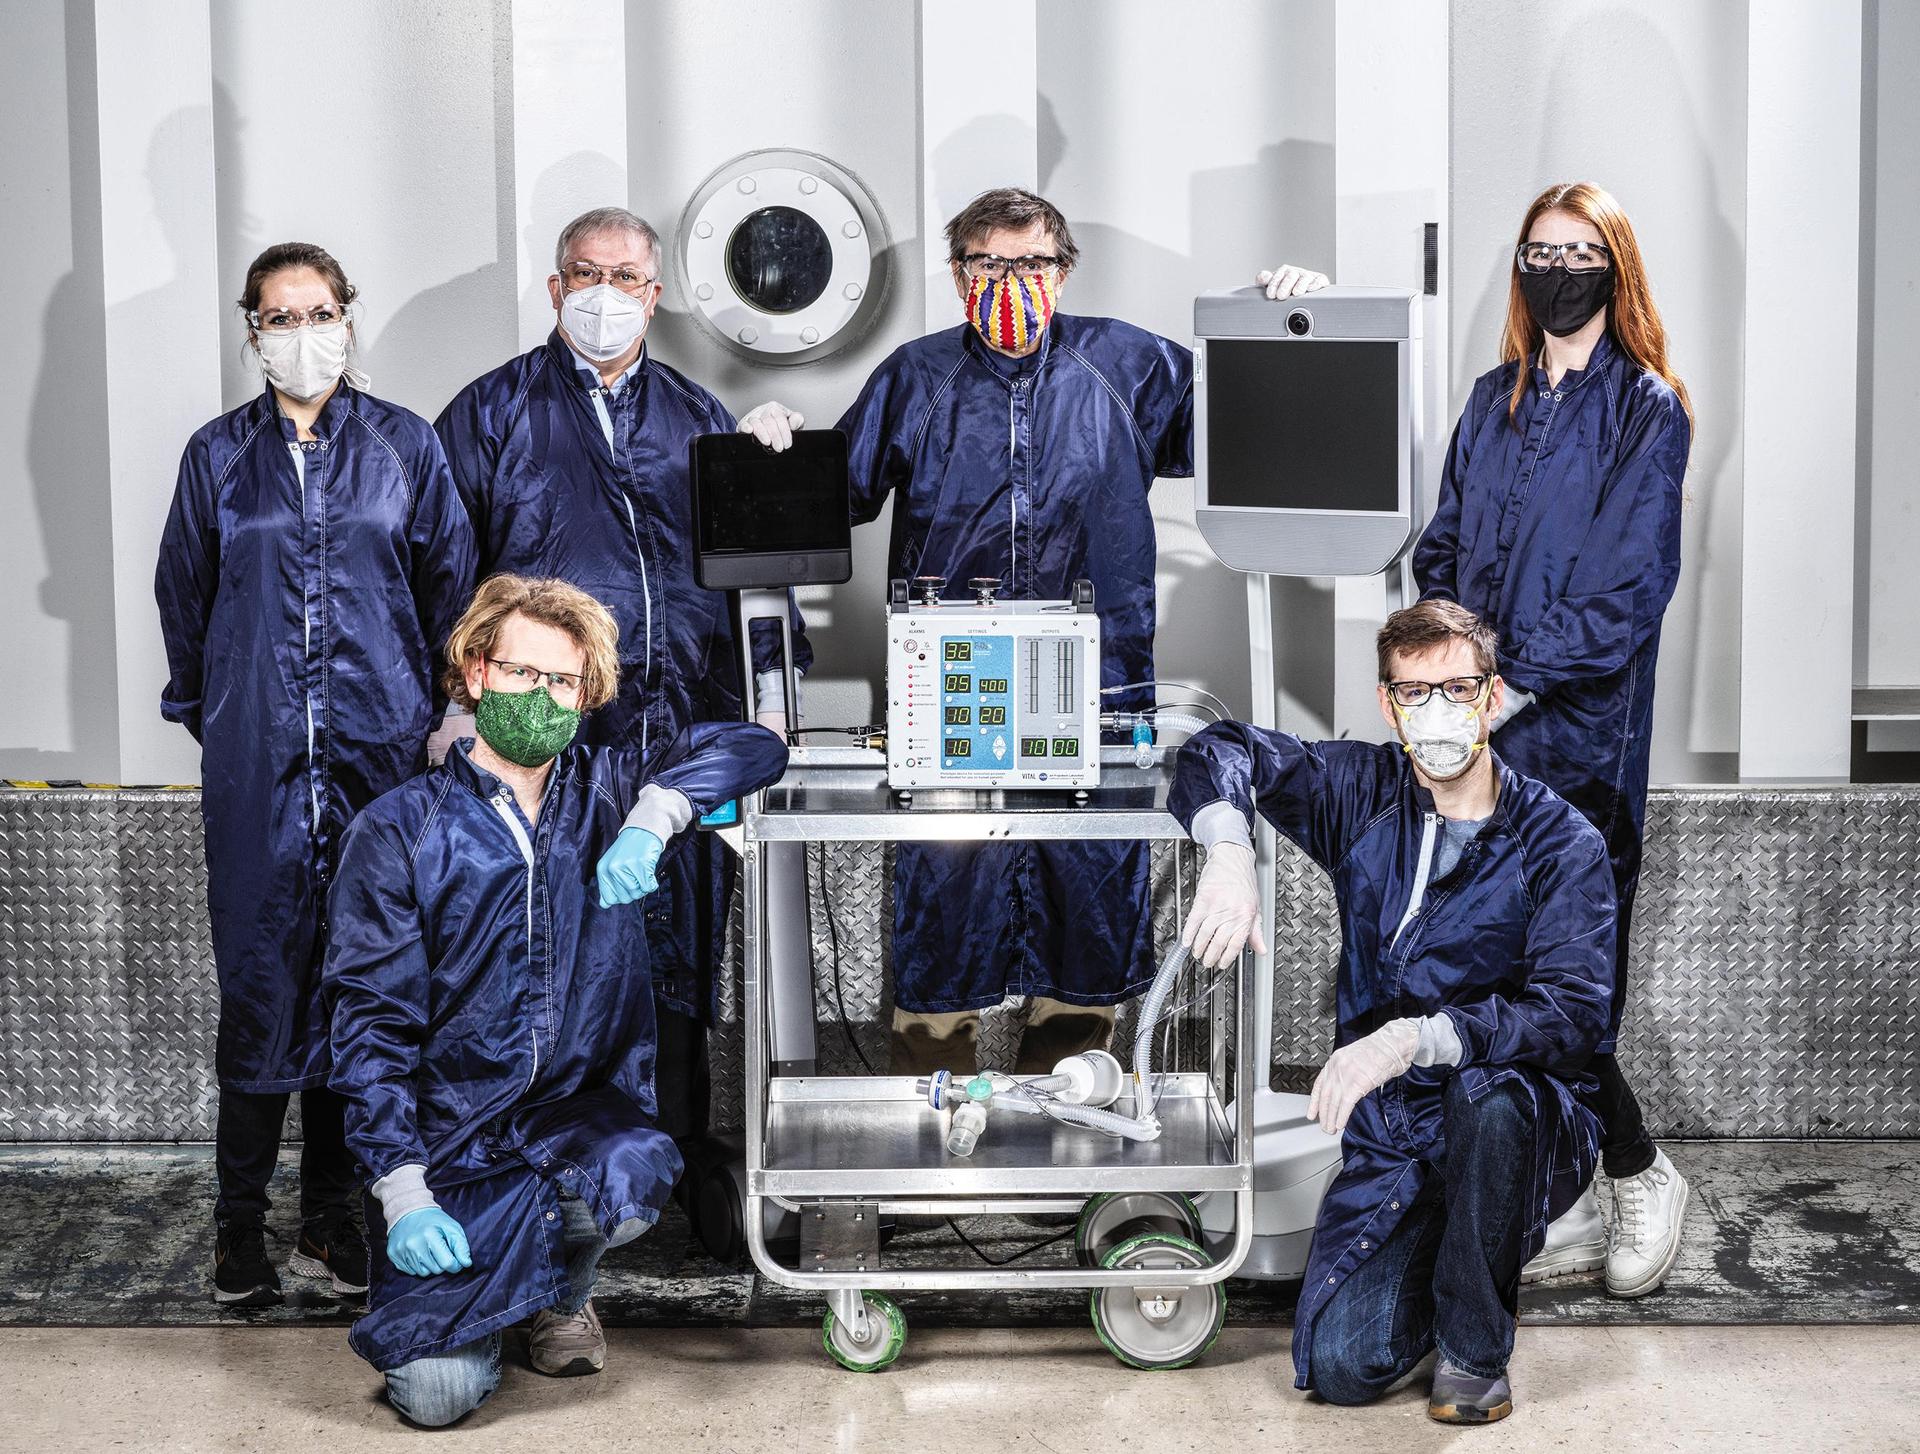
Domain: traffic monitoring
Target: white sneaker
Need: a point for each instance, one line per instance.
(1576, 1242)
(1647, 1212)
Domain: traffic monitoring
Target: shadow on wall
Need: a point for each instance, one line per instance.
(412, 345)
(1713, 251)
(241, 237)
(67, 458)
(1242, 219)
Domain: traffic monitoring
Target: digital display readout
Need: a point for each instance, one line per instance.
(1066, 747)
(1033, 747)
(959, 747)
(959, 651)
(959, 683)
(959, 716)
(993, 716)
(992, 686)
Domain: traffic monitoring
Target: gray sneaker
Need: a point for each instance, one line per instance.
(1460, 1398)
(566, 1345)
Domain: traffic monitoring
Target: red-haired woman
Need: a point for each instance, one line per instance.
(315, 558)
(1559, 522)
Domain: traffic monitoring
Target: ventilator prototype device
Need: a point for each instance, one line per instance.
(1306, 428)
(989, 693)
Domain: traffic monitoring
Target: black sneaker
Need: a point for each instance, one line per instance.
(334, 1252)
(243, 1277)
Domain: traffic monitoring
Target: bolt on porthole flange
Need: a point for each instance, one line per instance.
(782, 257)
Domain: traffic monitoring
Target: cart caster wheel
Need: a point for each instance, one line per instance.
(1114, 1217)
(886, 1336)
(1158, 1333)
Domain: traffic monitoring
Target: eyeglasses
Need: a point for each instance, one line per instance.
(587, 275)
(286, 320)
(1461, 690)
(1579, 257)
(526, 678)
(993, 267)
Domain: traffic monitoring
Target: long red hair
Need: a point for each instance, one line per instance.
(1632, 319)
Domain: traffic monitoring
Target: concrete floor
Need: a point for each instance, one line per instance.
(281, 1390)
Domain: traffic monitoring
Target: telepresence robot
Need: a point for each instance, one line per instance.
(1307, 458)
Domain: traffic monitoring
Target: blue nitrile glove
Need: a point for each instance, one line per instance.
(626, 870)
(428, 1242)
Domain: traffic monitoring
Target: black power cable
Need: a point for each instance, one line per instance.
(839, 998)
(1003, 1261)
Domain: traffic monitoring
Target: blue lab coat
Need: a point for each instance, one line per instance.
(305, 606)
(1514, 945)
(493, 1023)
(1564, 533)
(548, 497)
(1034, 471)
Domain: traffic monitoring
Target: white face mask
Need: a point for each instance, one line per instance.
(602, 321)
(305, 363)
(1442, 736)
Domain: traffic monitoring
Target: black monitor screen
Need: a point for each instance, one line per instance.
(752, 501)
(1303, 424)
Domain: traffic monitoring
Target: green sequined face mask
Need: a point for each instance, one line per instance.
(527, 728)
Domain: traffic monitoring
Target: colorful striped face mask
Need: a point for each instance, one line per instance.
(1011, 312)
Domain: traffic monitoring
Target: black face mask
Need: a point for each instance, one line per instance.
(1561, 302)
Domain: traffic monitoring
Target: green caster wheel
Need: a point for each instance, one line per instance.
(886, 1335)
(1157, 1332)
(1114, 1217)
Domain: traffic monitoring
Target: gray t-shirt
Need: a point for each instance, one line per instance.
(1455, 835)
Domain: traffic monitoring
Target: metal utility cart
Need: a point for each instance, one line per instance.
(845, 1151)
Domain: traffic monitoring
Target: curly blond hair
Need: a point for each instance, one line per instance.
(554, 603)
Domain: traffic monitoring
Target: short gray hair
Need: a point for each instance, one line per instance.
(606, 219)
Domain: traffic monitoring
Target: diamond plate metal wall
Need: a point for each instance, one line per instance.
(1774, 993)
(1773, 988)
(107, 993)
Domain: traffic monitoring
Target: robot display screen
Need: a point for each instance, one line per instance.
(754, 501)
(1306, 425)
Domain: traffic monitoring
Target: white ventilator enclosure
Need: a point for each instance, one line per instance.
(991, 694)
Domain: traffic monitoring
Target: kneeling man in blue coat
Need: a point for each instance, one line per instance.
(1476, 976)
(492, 1012)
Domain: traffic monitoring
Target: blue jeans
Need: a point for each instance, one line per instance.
(1449, 1274)
(448, 1386)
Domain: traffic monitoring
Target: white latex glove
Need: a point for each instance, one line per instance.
(770, 699)
(1226, 908)
(456, 724)
(772, 424)
(1515, 703)
(1289, 281)
(1353, 1071)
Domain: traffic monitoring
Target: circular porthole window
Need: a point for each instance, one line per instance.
(782, 256)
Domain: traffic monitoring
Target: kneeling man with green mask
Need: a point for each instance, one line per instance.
(492, 1010)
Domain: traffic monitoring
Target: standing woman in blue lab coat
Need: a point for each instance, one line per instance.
(1559, 522)
(315, 558)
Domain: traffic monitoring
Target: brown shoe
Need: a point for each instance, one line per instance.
(567, 1345)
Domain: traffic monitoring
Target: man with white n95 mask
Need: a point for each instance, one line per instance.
(573, 463)
(1476, 975)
